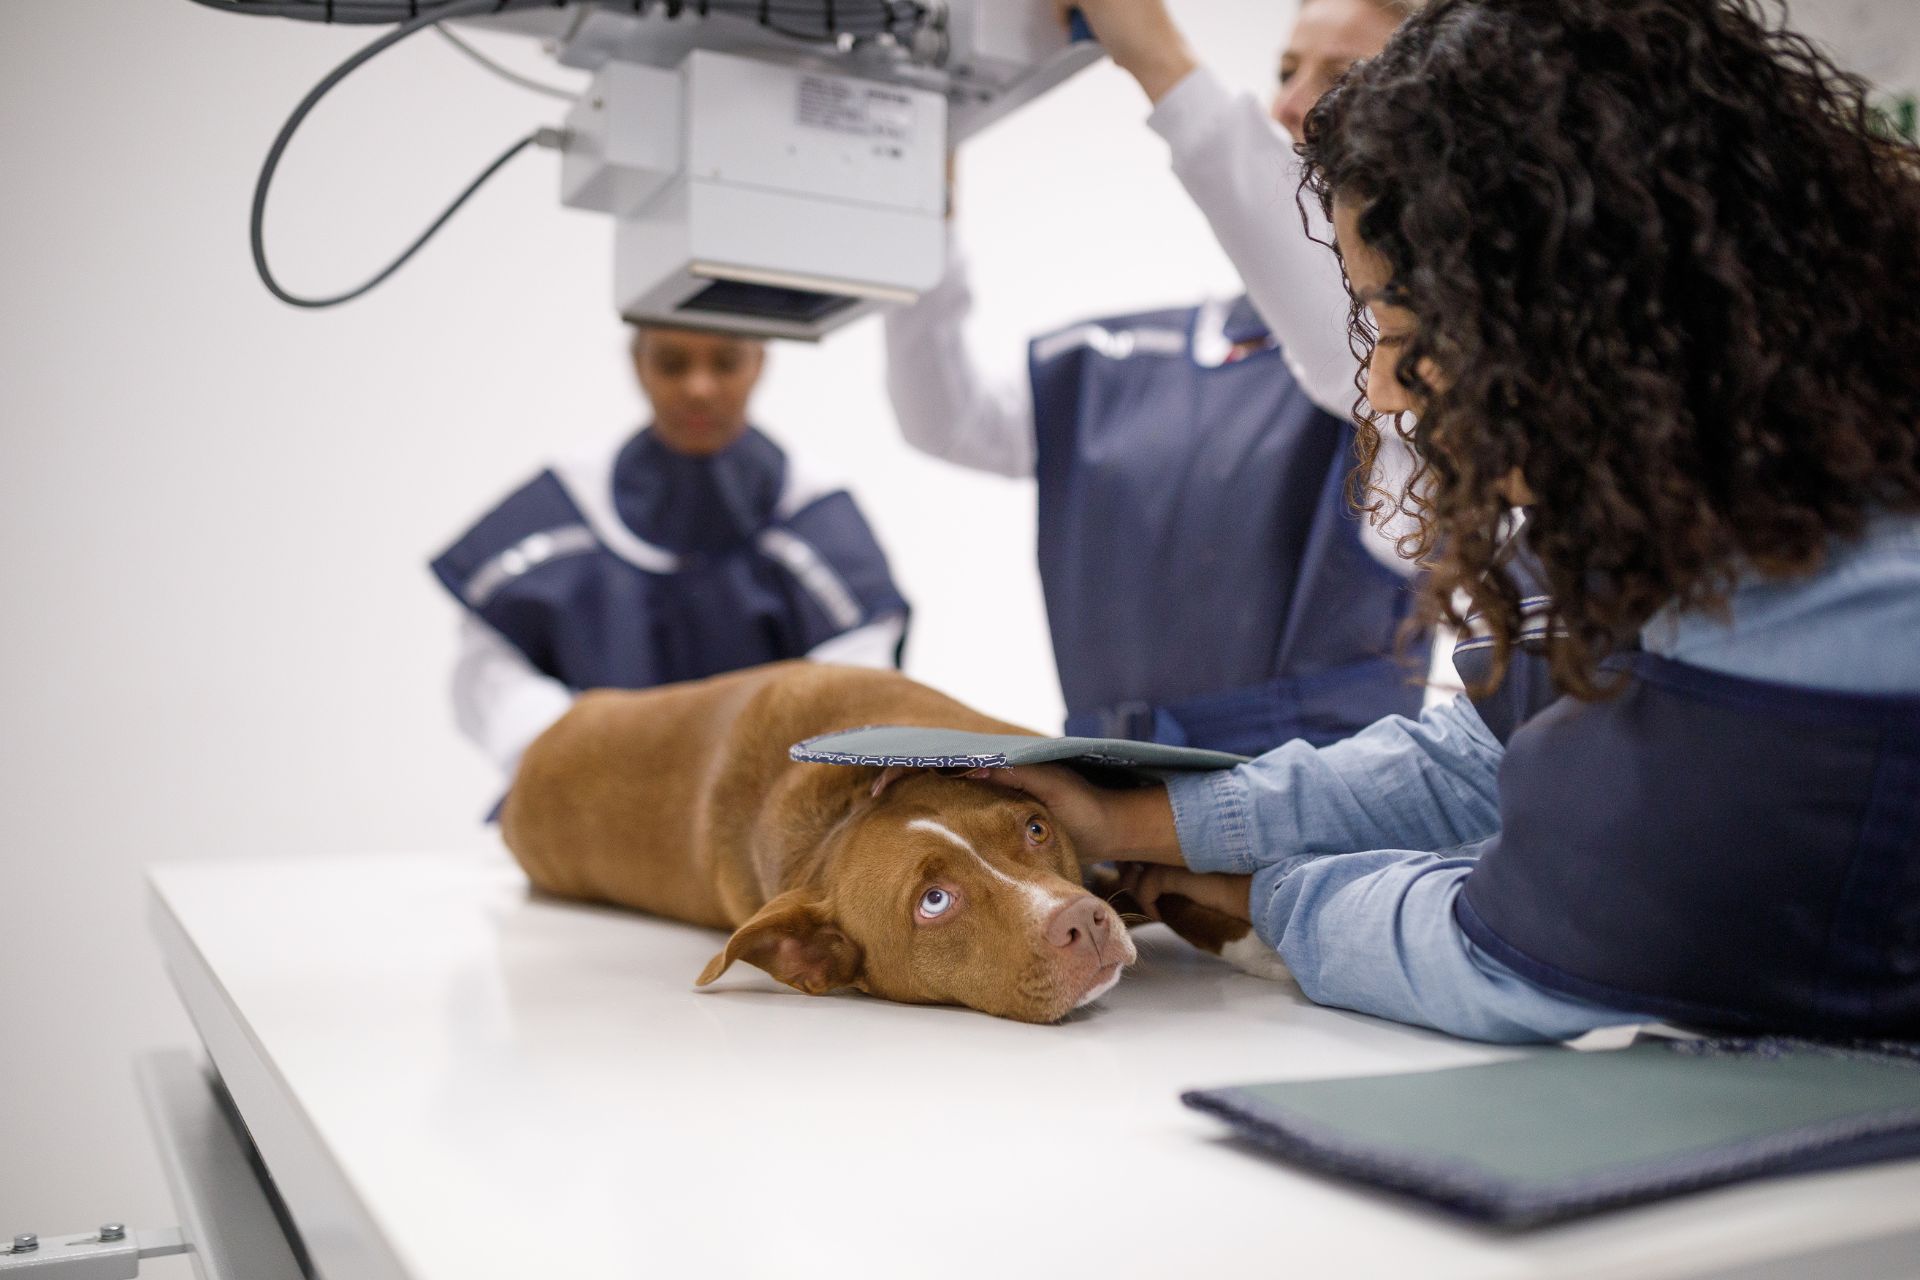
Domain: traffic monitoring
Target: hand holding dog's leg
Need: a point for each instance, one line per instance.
(1226, 894)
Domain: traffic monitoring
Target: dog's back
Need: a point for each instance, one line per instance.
(681, 800)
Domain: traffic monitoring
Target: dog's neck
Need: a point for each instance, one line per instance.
(818, 820)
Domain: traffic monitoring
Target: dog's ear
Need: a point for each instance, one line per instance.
(888, 776)
(793, 939)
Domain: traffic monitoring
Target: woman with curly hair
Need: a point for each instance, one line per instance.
(1644, 270)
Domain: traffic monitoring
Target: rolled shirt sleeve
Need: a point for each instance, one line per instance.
(1397, 784)
(1375, 932)
(1357, 852)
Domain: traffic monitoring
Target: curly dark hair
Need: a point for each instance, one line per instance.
(1663, 262)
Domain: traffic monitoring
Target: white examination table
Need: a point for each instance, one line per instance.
(451, 1080)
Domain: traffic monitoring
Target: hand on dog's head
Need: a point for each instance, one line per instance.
(942, 890)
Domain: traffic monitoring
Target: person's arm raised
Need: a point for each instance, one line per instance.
(947, 403)
(1141, 38)
(1240, 170)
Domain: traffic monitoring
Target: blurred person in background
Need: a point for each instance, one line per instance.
(692, 547)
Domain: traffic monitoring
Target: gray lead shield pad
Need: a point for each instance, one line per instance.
(1557, 1134)
(916, 748)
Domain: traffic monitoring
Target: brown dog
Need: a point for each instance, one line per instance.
(920, 887)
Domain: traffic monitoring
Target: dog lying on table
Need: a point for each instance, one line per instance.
(914, 886)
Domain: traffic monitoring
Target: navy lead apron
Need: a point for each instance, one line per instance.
(1205, 578)
(696, 566)
(1713, 850)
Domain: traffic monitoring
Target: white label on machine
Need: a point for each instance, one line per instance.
(814, 134)
(862, 110)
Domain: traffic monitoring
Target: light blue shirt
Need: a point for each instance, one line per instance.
(1357, 850)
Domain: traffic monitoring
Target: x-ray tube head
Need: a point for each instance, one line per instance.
(771, 173)
(759, 197)
(778, 190)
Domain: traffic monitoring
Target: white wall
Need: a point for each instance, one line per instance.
(218, 637)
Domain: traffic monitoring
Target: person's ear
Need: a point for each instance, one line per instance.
(793, 939)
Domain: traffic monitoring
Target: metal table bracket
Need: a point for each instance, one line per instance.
(110, 1253)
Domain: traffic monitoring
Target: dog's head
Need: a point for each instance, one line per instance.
(943, 890)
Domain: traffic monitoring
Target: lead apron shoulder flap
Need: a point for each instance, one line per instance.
(607, 609)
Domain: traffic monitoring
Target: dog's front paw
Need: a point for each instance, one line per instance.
(1250, 953)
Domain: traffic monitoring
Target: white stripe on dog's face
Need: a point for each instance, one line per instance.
(1042, 902)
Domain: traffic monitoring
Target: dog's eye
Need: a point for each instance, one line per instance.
(1038, 831)
(935, 902)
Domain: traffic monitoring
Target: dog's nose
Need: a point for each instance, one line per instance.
(1084, 922)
